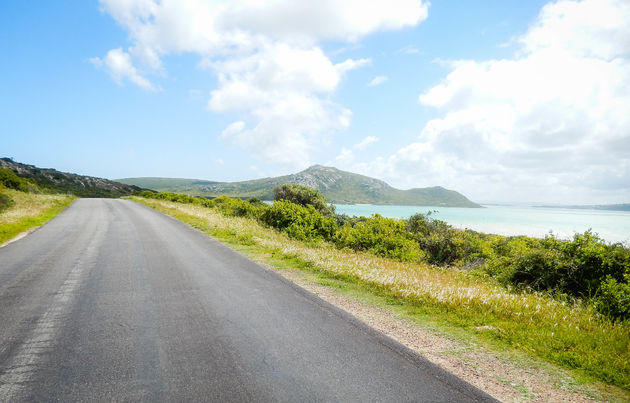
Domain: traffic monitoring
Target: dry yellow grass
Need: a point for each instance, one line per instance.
(30, 210)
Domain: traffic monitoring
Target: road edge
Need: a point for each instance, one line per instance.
(412, 356)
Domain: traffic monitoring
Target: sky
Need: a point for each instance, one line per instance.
(501, 100)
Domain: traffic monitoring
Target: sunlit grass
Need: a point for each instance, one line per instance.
(570, 335)
(30, 210)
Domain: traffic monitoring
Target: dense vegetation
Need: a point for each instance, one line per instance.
(51, 181)
(24, 205)
(10, 180)
(304, 196)
(336, 185)
(585, 268)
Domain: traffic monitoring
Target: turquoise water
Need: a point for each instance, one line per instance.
(613, 226)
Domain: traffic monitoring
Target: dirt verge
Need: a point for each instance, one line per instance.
(502, 378)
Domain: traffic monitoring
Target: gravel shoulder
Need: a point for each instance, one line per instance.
(499, 375)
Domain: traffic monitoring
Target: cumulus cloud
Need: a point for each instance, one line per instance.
(378, 80)
(267, 57)
(119, 66)
(551, 123)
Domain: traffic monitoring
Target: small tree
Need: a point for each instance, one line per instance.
(304, 196)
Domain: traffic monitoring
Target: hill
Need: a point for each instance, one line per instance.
(338, 186)
(175, 185)
(63, 182)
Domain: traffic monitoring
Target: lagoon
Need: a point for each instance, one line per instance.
(613, 226)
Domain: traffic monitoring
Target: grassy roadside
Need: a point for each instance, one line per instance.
(571, 336)
(30, 210)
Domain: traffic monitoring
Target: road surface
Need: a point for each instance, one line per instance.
(113, 301)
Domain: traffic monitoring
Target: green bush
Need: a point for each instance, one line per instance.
(303, 223)
(238, 208)
(148, 194)
(382, 236)
(9, 179)
(304, 196)
(505, 252)
(5, 202)
(577, 267)
(614, 299)
(255, 201)
(175, 197)
(445, 245)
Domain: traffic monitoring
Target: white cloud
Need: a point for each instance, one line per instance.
(365, 143)
(278, 89)
(346, 157)
(350, 64)
(267, 58)
(305, 20)
(551, 123)
(233, 129)
(408, 50)
(119, 66)
(378, 80)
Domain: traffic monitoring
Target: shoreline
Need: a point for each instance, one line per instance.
(532, 221)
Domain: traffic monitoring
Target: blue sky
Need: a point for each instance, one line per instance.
(501, 100)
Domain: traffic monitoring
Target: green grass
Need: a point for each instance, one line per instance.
(571, 336)
(29, 211)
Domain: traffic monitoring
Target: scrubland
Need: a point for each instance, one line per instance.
(460, 297)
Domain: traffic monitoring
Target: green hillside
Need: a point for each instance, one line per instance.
(338, 186)
(176, 185)
(52, 181)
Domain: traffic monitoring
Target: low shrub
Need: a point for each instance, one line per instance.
(577, 267)
(175, 197)
(303, 223)
(382, 236)
(614, 299)
(5, 202)
(9, 179)
(304, 196)
(252, 208)
(445, 245)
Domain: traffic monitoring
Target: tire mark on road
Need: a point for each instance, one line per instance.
(20, 368)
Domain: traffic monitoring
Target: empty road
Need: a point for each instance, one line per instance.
(112, 301)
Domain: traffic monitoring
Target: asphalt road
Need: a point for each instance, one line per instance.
(112, 301)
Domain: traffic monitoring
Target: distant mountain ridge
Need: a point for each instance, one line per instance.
(80, 185)
(338, 186)
(611, 207)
